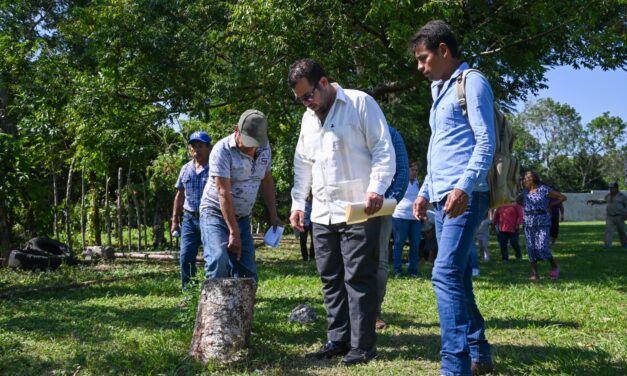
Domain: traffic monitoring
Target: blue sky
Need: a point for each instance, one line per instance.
(589, 92)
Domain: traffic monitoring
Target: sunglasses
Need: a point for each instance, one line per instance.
(307, 97)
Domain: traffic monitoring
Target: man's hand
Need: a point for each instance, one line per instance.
(456, 203)
(420, 208)
(297, 220)
(372, 202)
(275, 221)
(175, 225)
(235, 244)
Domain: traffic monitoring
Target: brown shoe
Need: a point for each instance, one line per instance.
(481, 368)
(379, 324)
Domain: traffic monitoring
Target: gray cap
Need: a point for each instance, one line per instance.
(253, 129)
(613, 185)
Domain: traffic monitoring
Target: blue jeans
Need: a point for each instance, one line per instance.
(190, 241)
(403, 228)
(512, 238)
(474, 255)
(219, 262)
(462, 327)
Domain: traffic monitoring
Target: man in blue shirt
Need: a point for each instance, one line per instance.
(395, 191)
(460, 153)
(189, 187)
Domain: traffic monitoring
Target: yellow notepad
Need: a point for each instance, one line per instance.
(355, 212)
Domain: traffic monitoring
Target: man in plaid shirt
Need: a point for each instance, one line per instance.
(190, 185)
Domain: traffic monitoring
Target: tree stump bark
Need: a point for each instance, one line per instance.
(224, 320)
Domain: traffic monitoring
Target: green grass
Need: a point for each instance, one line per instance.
(131, 319)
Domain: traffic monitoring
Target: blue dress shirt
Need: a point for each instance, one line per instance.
(401, 176)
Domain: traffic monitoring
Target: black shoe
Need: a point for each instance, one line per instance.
(359, 356)
(329, 350)
(481, 368)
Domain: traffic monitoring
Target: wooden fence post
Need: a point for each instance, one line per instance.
(83, 207)
(120, 237)
(107, 214)
(68, 213)
(55, 201)
(128, 204)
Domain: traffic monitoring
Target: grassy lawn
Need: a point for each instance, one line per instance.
(130, 318)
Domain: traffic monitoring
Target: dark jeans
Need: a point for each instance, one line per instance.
(347, 257)
(303, 243)
(512, 238)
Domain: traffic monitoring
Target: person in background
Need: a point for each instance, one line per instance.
(615, 215)
(396, 191)
(428, 241)
(508, 218)
(460, 153)
(557, 216)
(407, 226)
(189, 187)
(537, 222)
(482, 236)
(307, 232)
(240, 164)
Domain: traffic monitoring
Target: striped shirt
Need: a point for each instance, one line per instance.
(193, 183)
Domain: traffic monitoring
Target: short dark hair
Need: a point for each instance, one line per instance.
(432, 34)
(305, 68)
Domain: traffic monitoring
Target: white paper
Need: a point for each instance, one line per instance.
(272, 237)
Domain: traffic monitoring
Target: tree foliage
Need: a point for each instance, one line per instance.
(102, 80)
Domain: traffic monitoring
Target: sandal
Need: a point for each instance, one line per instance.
(534, 278)
(554, 273)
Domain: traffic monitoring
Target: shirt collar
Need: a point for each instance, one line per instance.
(340, 95)
(462, 67)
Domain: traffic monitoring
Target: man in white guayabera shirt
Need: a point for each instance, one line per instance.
(344, 155)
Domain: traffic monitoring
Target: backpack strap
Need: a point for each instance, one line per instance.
(460, 89)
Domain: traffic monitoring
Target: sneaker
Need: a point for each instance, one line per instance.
(554, 273)
(329, 350)
(481, 368)
(534, 277)
(359, 356)
(475, 272)
(379, 324)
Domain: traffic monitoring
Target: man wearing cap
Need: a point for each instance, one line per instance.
(344, 155)
(240, 163)
(616, 213)
(190, 185)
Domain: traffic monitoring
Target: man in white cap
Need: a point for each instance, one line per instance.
(190, 185)
(239, 164)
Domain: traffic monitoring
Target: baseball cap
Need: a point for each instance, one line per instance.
(200, 136)
(253, 129)
(613, 184)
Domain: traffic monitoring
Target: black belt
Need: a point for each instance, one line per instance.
(194, 214)
(535, 212)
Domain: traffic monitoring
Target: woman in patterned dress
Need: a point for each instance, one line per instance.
(536, 197)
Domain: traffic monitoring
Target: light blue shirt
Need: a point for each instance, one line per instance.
(460, 154)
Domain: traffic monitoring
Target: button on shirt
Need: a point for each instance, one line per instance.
(404, 209)
(193, 182)
(342, 159)
(459, 154)
(246, 173)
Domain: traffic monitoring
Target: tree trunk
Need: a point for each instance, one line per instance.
(68, 192)
(95, 208)
(129, 210)
(139, 220)
(145, 225)
(7, 125)
(224, 320)
(55, 201)
(120, 237)
(83, 207)
(107, 213)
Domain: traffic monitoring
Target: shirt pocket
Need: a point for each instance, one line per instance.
(449, 115)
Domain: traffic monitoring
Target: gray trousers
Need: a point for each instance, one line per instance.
(384, 257)
(615, 222)
(347, 257)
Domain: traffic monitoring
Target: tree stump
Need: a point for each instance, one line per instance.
(224, 320)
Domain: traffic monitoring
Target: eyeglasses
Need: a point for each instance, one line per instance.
(307, 97)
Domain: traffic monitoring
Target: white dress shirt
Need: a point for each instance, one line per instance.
(342, 159)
